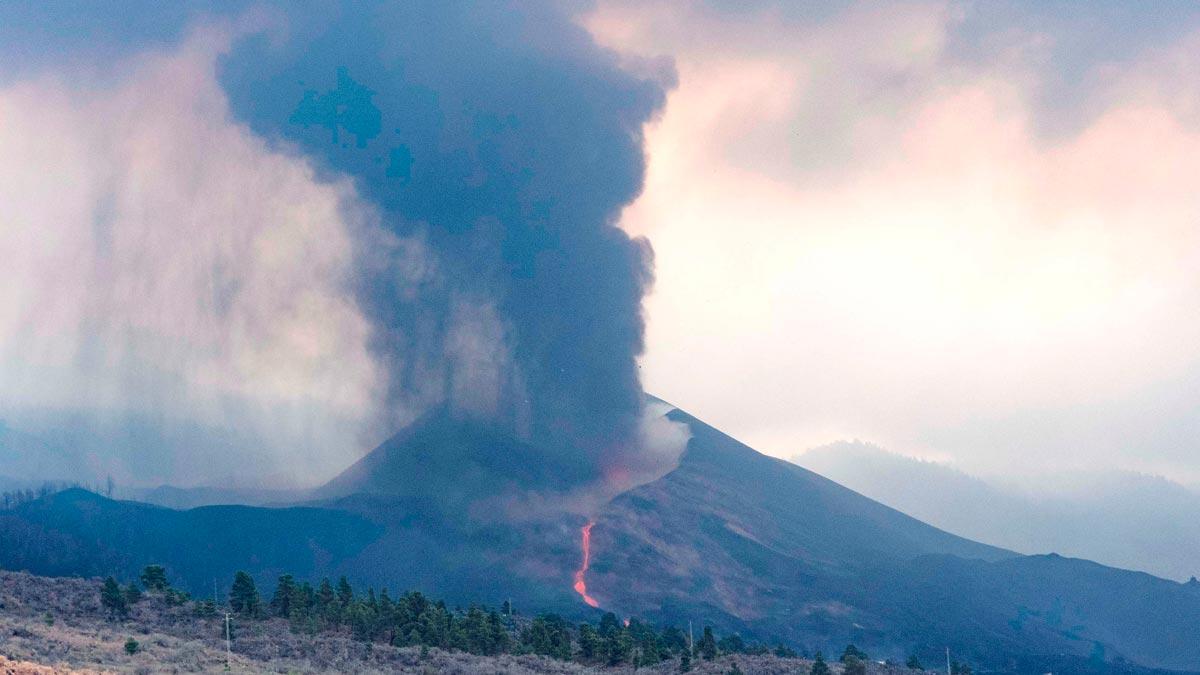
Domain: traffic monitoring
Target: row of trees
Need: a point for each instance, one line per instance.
(412, 619)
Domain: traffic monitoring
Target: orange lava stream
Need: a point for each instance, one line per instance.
(580, 583)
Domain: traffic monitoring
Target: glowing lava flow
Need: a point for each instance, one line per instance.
(580, 583)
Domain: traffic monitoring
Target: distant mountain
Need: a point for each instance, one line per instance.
(1122, 519)
(730, 538)
(192, 497)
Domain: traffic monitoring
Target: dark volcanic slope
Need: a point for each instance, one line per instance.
(750, 538)
(731, 537)
(741, 540)
(454, 460)
(76, 532)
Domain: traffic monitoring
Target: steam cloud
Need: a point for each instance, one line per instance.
(490, 148)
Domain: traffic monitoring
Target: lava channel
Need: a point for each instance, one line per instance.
(580, 582)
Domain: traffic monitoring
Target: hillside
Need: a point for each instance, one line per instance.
(738, 538)
(76, 532)
(730, 537)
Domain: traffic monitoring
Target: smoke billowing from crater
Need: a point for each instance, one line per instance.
(503, 139)
(447, 234)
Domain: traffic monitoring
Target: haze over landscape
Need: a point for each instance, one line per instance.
(782, 318)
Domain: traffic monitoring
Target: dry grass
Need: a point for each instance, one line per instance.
(57, 626)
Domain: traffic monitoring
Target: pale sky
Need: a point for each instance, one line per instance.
(969, 240)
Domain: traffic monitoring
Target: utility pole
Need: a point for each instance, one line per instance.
(228, 642)
(691, 647)
(948, 661)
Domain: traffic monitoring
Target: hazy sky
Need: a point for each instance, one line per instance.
(966, 231)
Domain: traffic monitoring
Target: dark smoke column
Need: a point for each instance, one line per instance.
(507, 142)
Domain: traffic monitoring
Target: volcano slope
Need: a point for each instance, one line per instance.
(741, 540)
(730, 538)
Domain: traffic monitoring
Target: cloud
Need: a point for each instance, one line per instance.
(864, 231)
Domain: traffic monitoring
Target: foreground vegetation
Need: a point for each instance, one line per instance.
(146, 626)
(414, 620)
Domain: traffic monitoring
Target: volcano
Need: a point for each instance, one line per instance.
(456, 460)
(730, 538)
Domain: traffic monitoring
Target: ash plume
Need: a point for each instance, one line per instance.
(504, 140)
(367, 209)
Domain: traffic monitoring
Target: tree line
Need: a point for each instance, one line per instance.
(413, 619)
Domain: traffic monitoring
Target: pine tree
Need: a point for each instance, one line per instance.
(685, 661)
(914, 663)
(281, 601)
(853, 652)
(326, 604)
(133, 594)
(131, 646)
(707, 646)
(243, 595)
(819, 667)
(112, 599)
(154, 578)
(344, 593)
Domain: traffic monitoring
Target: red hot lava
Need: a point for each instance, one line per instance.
(580, 583)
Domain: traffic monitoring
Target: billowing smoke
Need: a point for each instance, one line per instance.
(477, 156)
(505, 141)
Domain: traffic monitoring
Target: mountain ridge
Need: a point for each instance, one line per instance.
(730, 538)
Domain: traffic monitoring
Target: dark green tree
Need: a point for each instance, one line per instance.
(548, 635)
(500, 639)
(154, 578)
(344, 592)
(673, 640)
(589, 642)
(362, 619)
(914, 663)
(243, 595)
(326, 602)
(707, 647)
(281, 600)
(131, 646)
(819, 667)
(685, 660)
(175, 598)
(852, 665)
(609, 624)
(133, 594)
(618, 647)
(957, 668)
(113, 599)
(732, 644)
(735, 670)
(853, 652)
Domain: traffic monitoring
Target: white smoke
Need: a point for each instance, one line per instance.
(161, 263)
